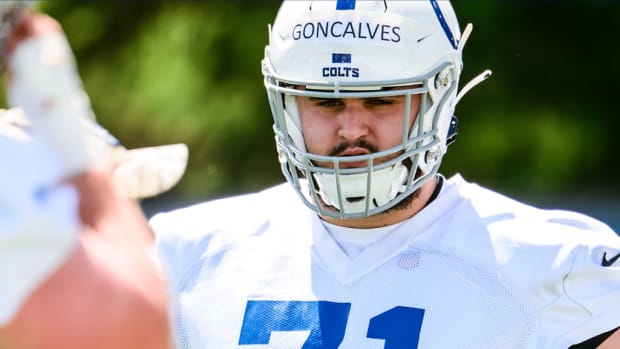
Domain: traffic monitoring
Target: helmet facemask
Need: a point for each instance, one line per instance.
(344, 193)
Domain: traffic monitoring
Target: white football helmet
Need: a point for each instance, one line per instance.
(361, 49)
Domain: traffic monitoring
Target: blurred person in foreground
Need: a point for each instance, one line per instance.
(76, 263)
(367, 245)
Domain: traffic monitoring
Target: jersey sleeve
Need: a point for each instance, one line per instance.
(38, 221)
(593, 283)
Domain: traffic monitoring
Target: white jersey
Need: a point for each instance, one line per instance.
(473, 269)
(38, 220)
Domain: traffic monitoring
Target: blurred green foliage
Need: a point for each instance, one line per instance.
(189, 71)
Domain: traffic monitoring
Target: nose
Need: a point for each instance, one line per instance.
(354, 121)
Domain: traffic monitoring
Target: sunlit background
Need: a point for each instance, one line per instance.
(542, 129)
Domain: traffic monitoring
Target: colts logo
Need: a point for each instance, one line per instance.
(341, 71)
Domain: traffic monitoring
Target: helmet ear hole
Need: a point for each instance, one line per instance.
(452, 130)
(443, 79)
(430, 158)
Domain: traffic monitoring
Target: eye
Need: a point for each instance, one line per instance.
(328, 103)
(380, 101)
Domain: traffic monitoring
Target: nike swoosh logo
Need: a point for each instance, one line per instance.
(609, 262)
(422, 38)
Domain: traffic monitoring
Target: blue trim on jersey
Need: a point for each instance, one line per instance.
(345, 5)
(444, 24)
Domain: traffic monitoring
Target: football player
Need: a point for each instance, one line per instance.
(368, 245)
(75, 262)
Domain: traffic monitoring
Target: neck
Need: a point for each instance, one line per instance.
(393, 216)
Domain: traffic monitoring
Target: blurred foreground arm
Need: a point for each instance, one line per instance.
(106, 293)
(99, 288)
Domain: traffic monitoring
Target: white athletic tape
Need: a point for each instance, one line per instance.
(45, 83)
(149, 171)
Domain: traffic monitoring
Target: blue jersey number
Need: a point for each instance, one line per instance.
(327, 321)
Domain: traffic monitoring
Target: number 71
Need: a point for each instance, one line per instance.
(327, 321)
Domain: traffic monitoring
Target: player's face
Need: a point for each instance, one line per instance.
(354, 126)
